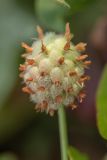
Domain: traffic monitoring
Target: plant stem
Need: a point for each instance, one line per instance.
(63, 133)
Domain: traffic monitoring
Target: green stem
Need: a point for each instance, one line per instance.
(63, 133)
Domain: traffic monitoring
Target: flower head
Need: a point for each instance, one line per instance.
(54, 71)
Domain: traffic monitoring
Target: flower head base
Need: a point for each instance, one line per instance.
(53, 71)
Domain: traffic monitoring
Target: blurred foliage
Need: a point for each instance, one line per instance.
(13, 118)
(51, 14)
(74, 154)
(16, 25)
(39, 142)
(7, 156)
(102, 104)
(64, 3)
(77, 5)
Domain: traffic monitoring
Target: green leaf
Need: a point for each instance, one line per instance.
(51, 14)
(16, 25)
(79, 5)
(74, 154)
(102, 104)
(64, 3)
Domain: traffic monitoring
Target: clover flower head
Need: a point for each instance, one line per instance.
(54, 71)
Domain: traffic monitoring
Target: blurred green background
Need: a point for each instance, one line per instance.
(25, 134)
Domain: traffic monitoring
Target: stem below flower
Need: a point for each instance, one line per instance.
(63, 133)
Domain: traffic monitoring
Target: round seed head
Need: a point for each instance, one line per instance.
(53, 71)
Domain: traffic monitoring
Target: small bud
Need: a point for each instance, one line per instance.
(84, 78)
(43, 48)
(81, 46)
(27, 90)
(28, 48)
(68, 37)
(68, 33)
(67, 46)
(41, 88)
(61, 60)
(29, 79)
(72, 73)
(87, 63)
(82, 95)
(22, 67)
(40, 32)
(81, 57)
(30, 61)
